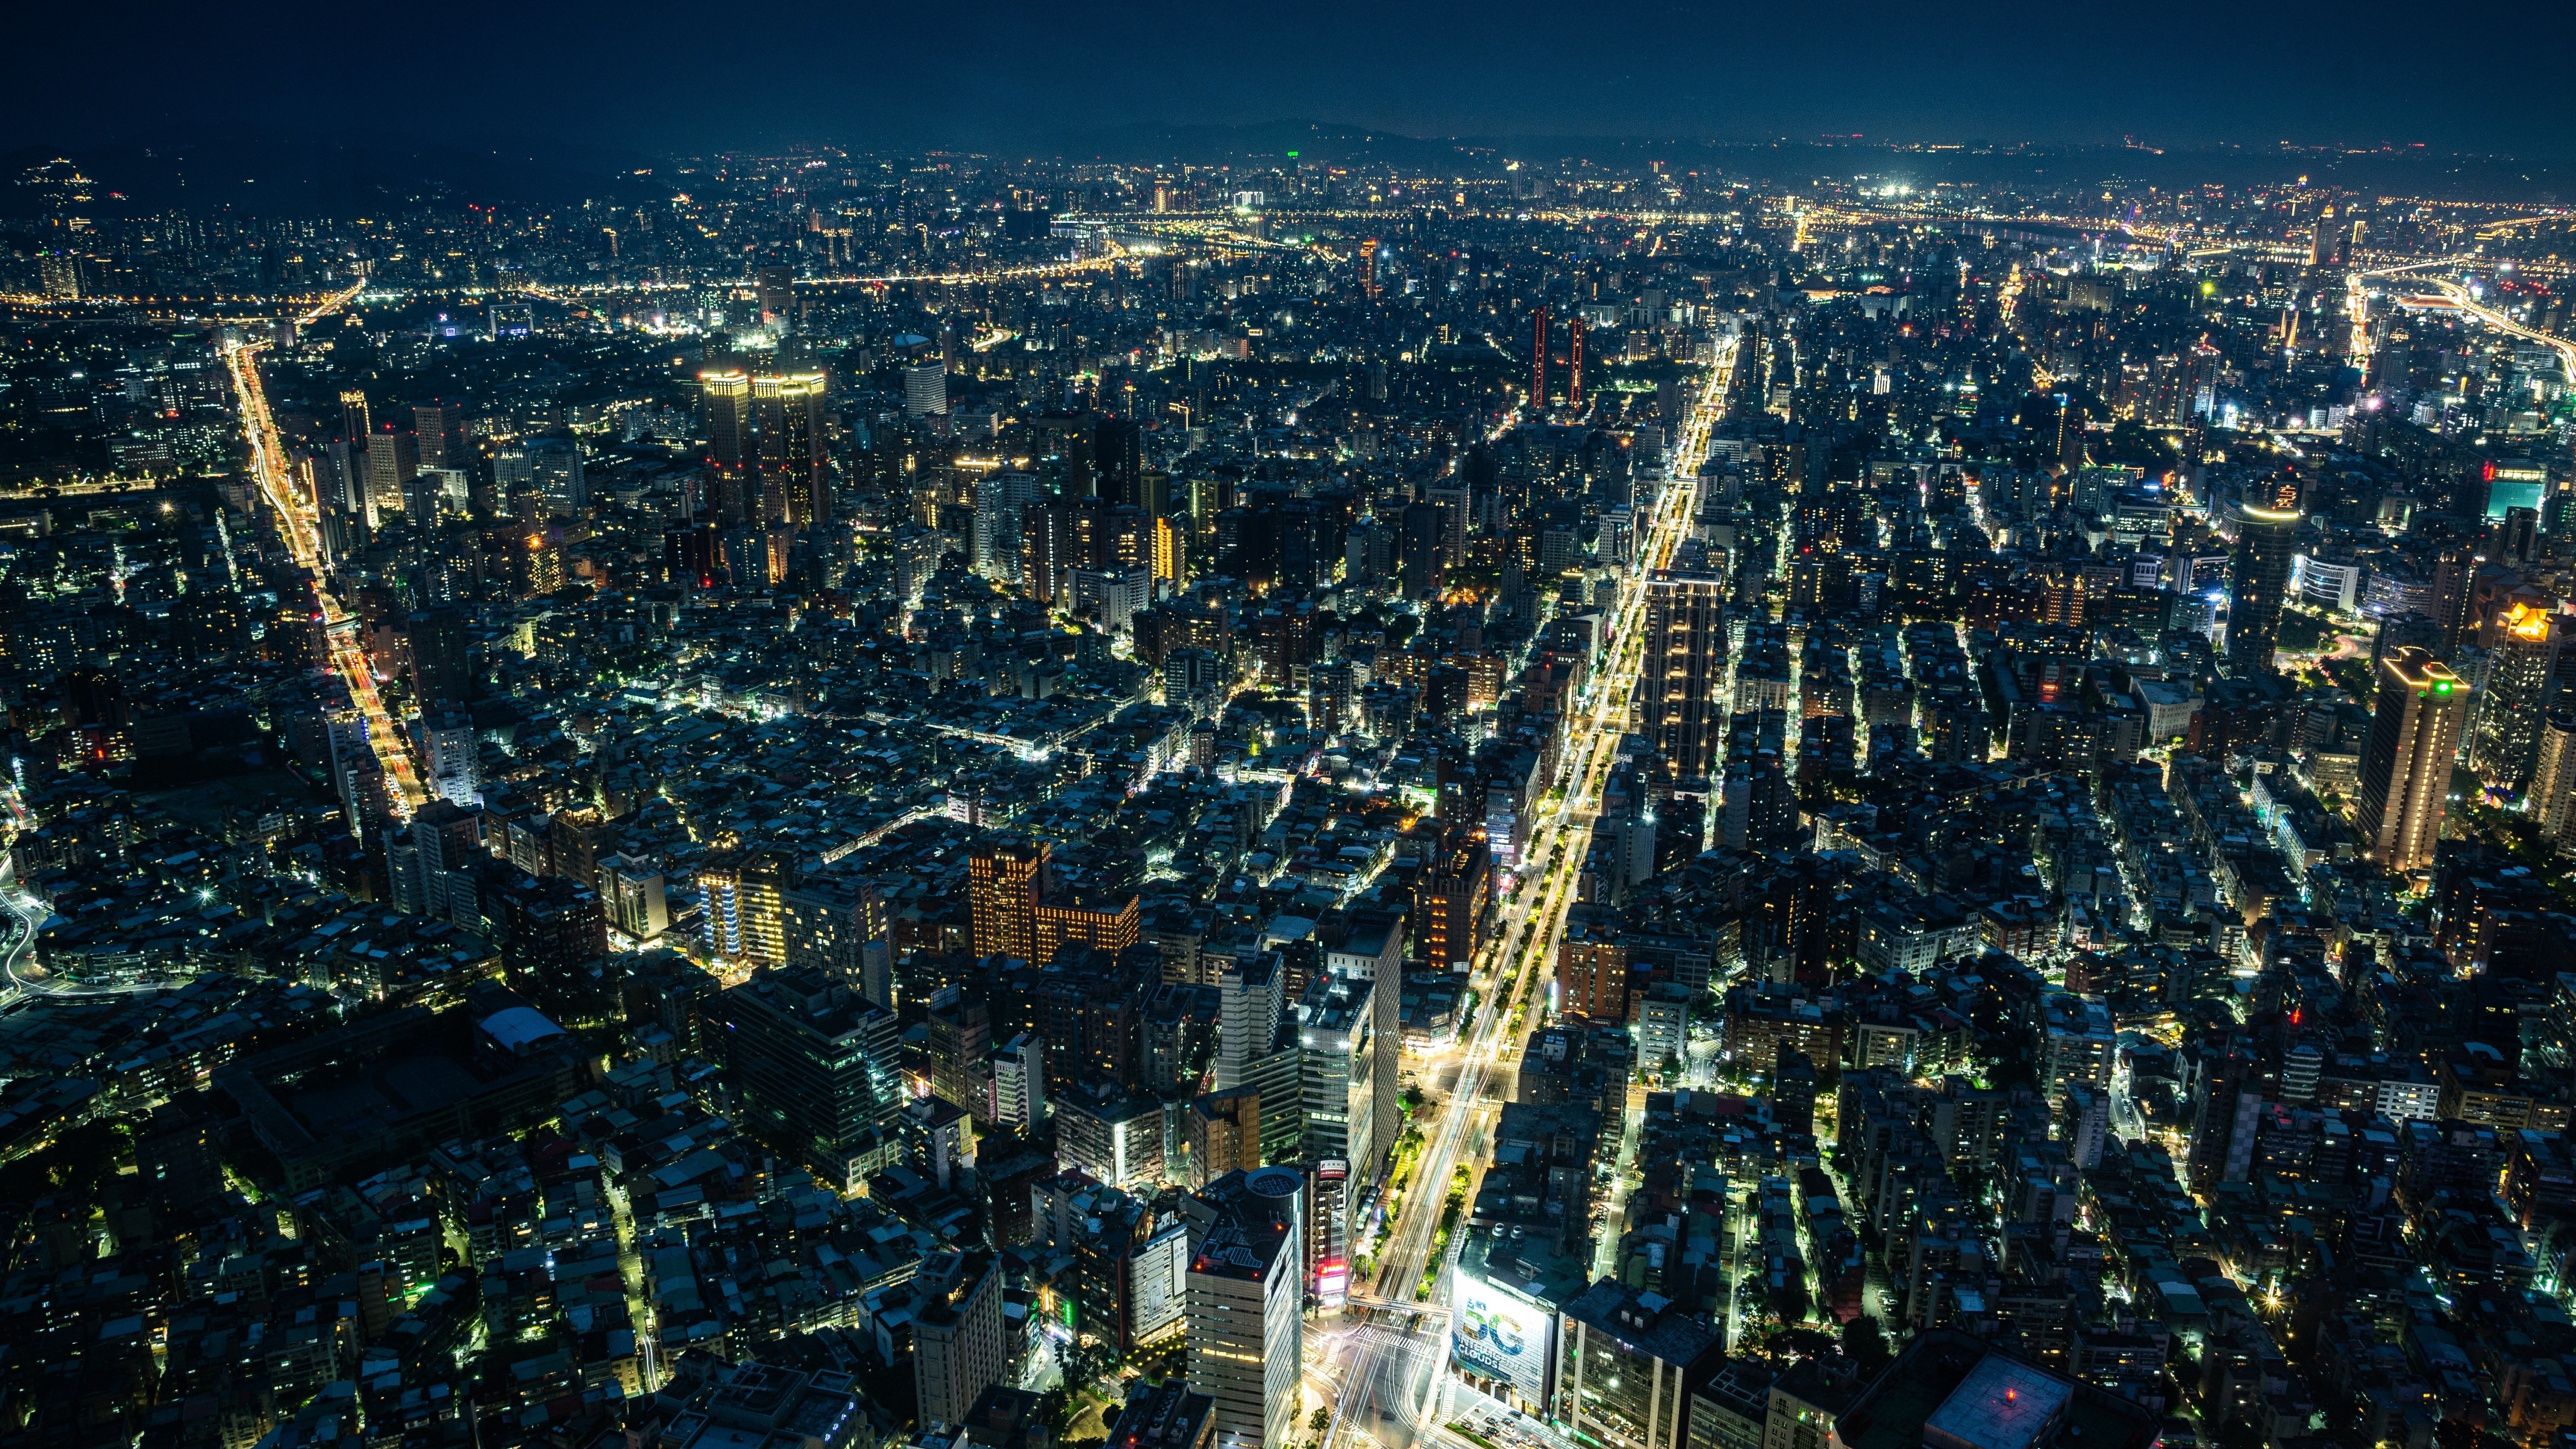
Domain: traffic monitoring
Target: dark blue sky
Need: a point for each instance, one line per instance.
(2474, 75)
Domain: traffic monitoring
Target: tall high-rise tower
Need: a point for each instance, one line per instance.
(1003, 882)
(1251, 1001)
(2406, 765)
(1538, 358)
(725, 394)
(1682, 680)
(793, 488)
(2520, 686)
(2552, 798)
(2266, 541)
(356, 422)
(434, 424)
(1245, 1281)
(1574, 362)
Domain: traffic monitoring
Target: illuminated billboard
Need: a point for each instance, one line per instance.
(1332, 1283)
(1498, 1334)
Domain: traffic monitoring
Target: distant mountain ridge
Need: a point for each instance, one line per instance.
(353, 173)
(335, 176)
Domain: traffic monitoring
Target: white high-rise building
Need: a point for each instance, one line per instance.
(999, 502)
(925, 390)
(1374, 952)
(455, 765)
(1251, 995)
(1019, 1082)
(512, 475)
(1337, 1052)
(958, 1345)
(1245, 1333)
(631, 887)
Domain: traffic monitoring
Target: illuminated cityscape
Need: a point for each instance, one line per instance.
(1288, 785)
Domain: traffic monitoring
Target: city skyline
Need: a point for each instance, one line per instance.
(1279, 784)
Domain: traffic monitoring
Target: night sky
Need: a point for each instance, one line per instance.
(657, 77)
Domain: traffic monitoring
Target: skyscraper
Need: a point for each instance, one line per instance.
(1420, 549)
(1019, 1082)
(692, 555)
(1224, 1135)
(2406, 764)
(725, 395)
(1574, 362)
(453, 757)
(434, 424)
(1170, 553)
(1337, 1063)
(776, 286)
(1453, 901)
(392, 461)
(1682, 680)
(1245, 1282)
(2454, 577)
(1001, 502)
(816, 1068)
(555, 465)
(357, 423)
(1117, 450)
(958, 1346)
(1374, 952)
(2266, 542)
(1591, 970)
(1538, 359)
(837, 925)
(746, 917)
(2518, 694)
(925, 390)
(635, 896)
(1003, 882)
(1250, 1001)
(2552, 798)
(442, 669)
(794, 489)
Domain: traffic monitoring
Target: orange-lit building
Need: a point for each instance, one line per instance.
(1105, 926)
(1003, 882)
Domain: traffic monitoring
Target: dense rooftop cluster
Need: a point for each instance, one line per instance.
(935, 802)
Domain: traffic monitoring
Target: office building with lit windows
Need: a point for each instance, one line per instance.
(2406, 762)
(1243, 1294)
(816, 1068)
(795, 487)
(724, 395)
(1682, 680)
(745, 915)
(2521, 682)
(1004, 879)
(1627, 1362)
(2258, 583)
(1338, 1062)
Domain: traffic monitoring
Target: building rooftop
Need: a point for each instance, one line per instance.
(1950, 1391)
(1644, 1323)
(2002, 1404)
